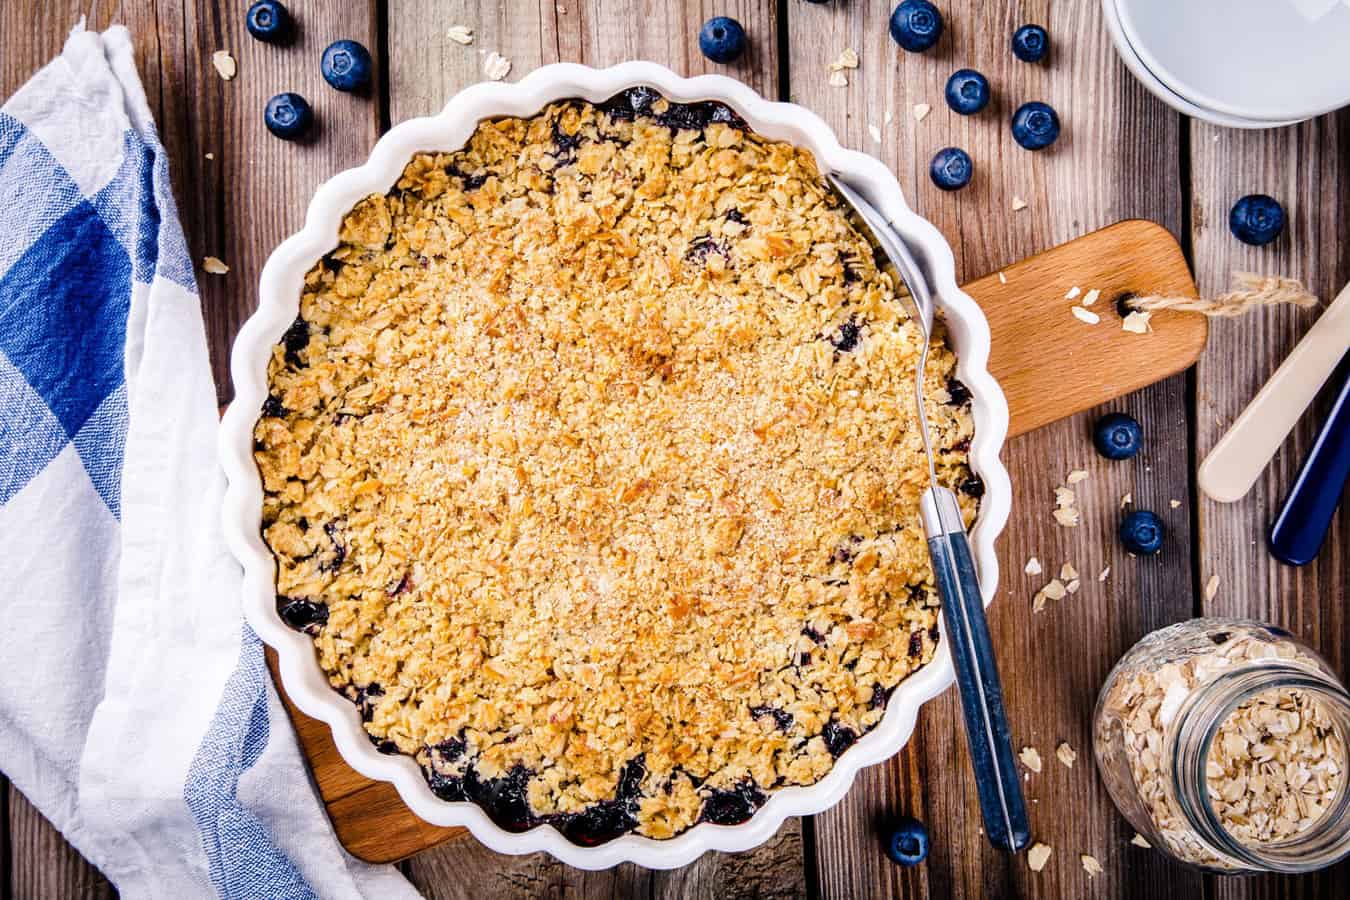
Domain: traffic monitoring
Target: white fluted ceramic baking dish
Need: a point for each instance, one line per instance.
(279, 296)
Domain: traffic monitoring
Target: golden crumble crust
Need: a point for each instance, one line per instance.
(591, 466)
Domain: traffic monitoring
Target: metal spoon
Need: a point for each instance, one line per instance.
(987, 733)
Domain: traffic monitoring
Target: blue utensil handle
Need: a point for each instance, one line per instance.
(967, 634)
(1303, 522)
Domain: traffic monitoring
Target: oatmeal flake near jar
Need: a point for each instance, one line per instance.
(1223, 742)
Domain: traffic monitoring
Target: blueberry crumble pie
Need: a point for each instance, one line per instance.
(591, 468)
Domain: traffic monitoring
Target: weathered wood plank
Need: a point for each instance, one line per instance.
(1052, 663)
(1308, 169)
(43, 865)
(426, 69)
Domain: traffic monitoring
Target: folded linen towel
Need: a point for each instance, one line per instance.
(136, 711)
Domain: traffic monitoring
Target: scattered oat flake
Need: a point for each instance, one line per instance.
(214, 265)
(1091, 297)
(1018, 204)
(1064, 753)
(1067, 517)
(1174, 503)
(875, 132)
(1137, 322)
(210, 156)
(1212, 587)
(1033, 566)
(1086, 315)
(1067, 571)
(848, 59)
(889, 118)
(1090, 865)
(1030, 758)
(838, 78)
(1106, 573)
(460, 34)
(1073, 292)
(1076, 476)
(496, 66)
(1138, 841)
(1037, 856)
(1126, 500)
(224, 64)
(1073, 586)
(1055, 590)
(1002, 279)
(1064, 497)
(921, 111)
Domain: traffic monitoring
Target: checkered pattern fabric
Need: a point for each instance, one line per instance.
(137, 711)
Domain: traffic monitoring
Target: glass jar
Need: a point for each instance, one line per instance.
(1223, 741)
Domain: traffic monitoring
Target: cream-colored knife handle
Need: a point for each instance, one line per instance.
(1236, 461)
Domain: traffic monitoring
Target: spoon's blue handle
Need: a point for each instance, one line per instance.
(967, 633)
(1303, 522)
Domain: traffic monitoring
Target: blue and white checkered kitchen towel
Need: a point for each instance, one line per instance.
(135, 708)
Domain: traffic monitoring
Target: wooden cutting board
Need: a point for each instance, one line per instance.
(1050, 365)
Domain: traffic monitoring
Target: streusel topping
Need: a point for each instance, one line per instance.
(591, 465)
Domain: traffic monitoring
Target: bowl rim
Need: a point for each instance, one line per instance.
(280, 288)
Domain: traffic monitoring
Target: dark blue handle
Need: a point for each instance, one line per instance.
(987, 733)
(1299, 530)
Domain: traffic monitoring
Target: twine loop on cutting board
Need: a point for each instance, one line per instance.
(1248, 292)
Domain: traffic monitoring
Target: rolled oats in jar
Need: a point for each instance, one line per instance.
(1223, 741)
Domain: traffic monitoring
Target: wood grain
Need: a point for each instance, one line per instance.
(43, 865)
(1308, 169)
(1052, 663)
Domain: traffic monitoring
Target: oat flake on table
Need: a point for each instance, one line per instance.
(1037, 856)
(460, 34)
(496, 66)
(1212, 587)
(921, 111)
(847, 59)
(1086, 315)
(224, 64)
(214, 265)
(1018, 204)
(837, 78)
(1067, 572)
(1068, 517)
(1090, 865)
(875, 133)
(1076, 476)
(1065, 754)
(1106, 573)
(1030, 758)
(1073, 293)
(1091, 297)
(1139, 841)
(1033, 566)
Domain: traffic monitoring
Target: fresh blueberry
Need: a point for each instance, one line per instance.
(269, 21)
(1117, 436)
(346, 65)
(907, 842)
(288, 116)
(951, 169)
(916, 25)
(1029, 43)
(1256, 219)
(722, 39)
(1142, 533)
(1035, 125)
(967, 92)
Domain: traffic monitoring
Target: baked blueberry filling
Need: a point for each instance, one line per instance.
(294, 340)
(781, 718)
(838, 738)
(302, 615)
(845, 340)
(973, 486)
(959, 393)
(734, 806)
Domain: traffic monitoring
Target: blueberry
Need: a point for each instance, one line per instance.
(734, 806)
(288, 116)
(1117, 436)
(1256, 219)
(722, 39)
(1035, 125)
(967, 92)
(1029, 43)
(1142, 533)
(269, 21)
(916, 25)
(302, 615)
(951, 169)
(346, 65)
(907, 842)
(838, 738)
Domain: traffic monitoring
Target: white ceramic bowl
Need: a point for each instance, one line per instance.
(279, 296)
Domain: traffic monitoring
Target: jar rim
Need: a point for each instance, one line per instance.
(1214, 703)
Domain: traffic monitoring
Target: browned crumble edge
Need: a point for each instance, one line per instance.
(591, 466)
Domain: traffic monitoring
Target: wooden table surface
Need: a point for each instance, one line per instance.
(1122, 154)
